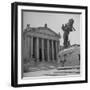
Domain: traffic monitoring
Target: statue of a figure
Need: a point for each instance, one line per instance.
(67, 28)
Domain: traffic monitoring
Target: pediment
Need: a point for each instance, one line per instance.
(42, 32)
(45, 31)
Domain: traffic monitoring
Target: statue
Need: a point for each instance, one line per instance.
(67, 28)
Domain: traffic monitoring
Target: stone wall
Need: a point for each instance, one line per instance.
(69, 57)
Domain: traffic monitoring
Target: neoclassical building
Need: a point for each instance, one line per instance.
(40, 44)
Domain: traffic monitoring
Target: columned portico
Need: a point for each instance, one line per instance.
(43, 45)
(53, 51)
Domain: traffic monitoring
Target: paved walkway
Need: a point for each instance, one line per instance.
(60, 71)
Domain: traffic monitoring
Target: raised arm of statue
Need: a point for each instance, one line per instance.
(73, 28)
(63, 27)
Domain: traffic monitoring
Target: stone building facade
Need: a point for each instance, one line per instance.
(40, 44)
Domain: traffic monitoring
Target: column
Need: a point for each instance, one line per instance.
(42, 43)
(58, 46)
(37, 49)
(52, 51)
(48, 56)
(56, 49)
(31, 47)
(28, 47)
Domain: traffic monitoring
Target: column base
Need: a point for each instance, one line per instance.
(37, 60)
(42, 60)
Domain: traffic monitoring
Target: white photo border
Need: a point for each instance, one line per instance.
(31, 80)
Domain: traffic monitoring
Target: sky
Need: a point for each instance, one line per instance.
(54, 21)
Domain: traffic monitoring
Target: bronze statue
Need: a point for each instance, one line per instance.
(67, 28)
